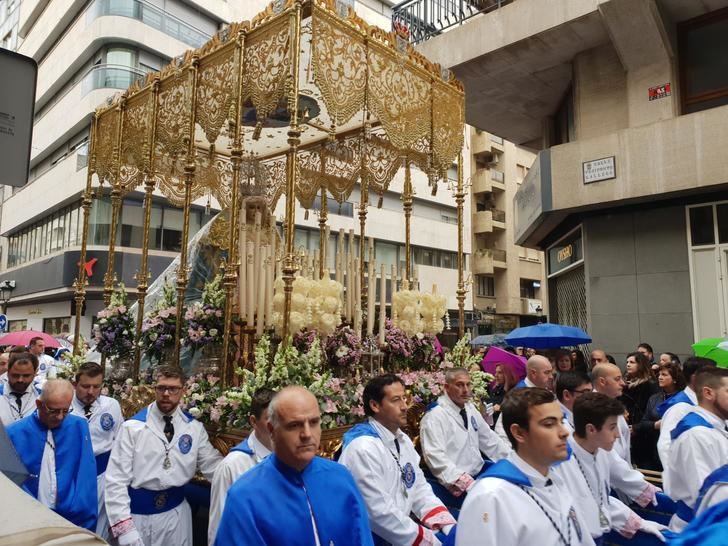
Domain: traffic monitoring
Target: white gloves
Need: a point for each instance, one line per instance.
(653, 528)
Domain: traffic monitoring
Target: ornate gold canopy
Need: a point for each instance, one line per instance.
(306, 95)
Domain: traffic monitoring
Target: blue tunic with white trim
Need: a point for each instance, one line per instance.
(75, 465)
(273, 504)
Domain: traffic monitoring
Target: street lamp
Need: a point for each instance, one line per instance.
(6, 288)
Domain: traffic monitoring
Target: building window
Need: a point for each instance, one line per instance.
(486, 286)
(57, 326)
(702, 43)
(528, 288)
(17, 325)
(334, 207)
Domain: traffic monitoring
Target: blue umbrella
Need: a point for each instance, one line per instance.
(490, 339)
(547, 336)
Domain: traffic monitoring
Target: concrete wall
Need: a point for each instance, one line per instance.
(638, 281)
(600, 92)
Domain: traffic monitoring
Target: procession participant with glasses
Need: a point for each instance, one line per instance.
(386, 469)
(56, 449)
(157, 453)
(104, 418)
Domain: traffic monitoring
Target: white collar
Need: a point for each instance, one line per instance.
(385, 434)
(80, 405)
(691, 394)
(581, 452)
(529, 383)
(537, 479)
(447, 403)
(712, 418)
(257, 446)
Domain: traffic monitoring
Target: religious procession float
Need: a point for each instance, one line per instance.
(302, 104)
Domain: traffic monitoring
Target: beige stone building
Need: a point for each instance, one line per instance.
(508, 280)
(628, 102)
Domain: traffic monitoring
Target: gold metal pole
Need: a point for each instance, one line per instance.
(115, 207)
(363, 206)
(231, 267)
(323, 218)
(407, 205)
(189, 177)
(294, 139)
(143, 273)
(80, 282)
(459, 200)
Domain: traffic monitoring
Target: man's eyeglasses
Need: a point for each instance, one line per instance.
(51, 411)
(161, 389)
(579, 392)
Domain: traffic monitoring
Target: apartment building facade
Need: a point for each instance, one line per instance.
(508, 280)
(627, 101)
(88, 51)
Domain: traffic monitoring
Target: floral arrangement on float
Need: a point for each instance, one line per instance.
(158, 327)
(315, 305)
(68, 365)
(114, 331)
(344, 349)
(205, 323)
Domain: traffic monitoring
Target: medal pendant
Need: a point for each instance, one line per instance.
(167, 464)
(603, 521)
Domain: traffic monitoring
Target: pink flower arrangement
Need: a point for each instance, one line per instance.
(344, 348)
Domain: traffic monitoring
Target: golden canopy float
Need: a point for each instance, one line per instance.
(304, 101)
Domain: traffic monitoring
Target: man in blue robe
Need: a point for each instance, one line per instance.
(56, 449)
(294, 497)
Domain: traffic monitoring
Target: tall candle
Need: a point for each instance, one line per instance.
(394, 281)
(339, 264)
(382, 303)
(250, 286)
(316, 259)
(271, 271)
(260, 317)
(325, 254)
(371, 286)
(242, 268)
(357, 297)
(256, 252)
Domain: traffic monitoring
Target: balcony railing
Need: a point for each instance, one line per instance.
(497, 176)
(498, 215)
(427, 18)
(109, 76)
(149, 15)
(99, 76)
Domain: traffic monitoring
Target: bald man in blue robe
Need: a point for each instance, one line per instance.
(293, 497)
(56, 449)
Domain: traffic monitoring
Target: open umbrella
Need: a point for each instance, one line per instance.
(23, 337)
(489, 340)
(10, 463)
(547, 336)
(714, 348)
(496, 355)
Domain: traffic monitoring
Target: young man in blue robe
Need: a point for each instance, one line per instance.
(56, 449)
(293, 497)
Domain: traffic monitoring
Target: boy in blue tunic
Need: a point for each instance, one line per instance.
(56, 449)
(293, 497)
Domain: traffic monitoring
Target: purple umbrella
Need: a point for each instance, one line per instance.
(496, 355)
